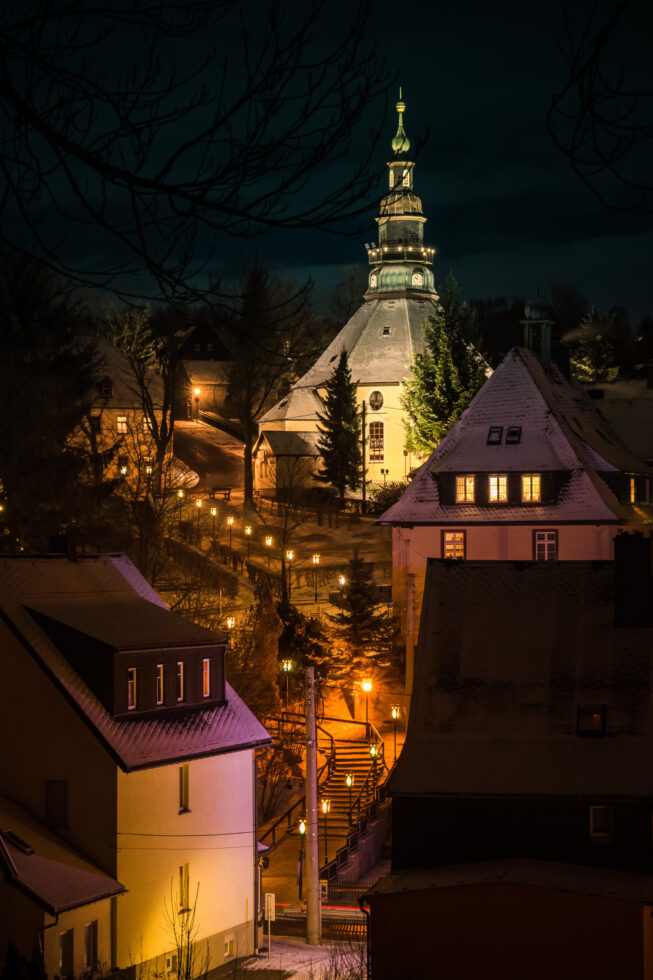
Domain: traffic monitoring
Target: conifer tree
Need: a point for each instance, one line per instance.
(363, 633)
(445, 376)
(592, 356)
(339, 427)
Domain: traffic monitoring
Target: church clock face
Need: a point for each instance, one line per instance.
(373, 281)
(376, 401)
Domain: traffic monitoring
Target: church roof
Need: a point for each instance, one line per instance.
(381, 340)
(289, 443)
(560, 429)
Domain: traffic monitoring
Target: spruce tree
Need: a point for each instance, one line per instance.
(339, 427)
(445, 376)
(362, 631)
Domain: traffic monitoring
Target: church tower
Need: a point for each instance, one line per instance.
(381, 340)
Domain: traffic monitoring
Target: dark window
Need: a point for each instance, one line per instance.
(56, 803)
(183, 788)
(96, 424)
(601, 822)
(209, 347)
(90, 945)
(513, 435)
(66, 951)
(181, 685)
(590, 719)
(494, 436)
(106, 388)
(160, 684)
(197, 347)
(545, 545)
(386, 331)
(132, 674)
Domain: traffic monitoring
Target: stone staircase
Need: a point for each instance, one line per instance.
(351, 756)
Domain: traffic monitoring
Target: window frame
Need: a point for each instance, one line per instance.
(513, 435)
(601, 835)
(206, 677)
(184, 788)
(502, 484)
(160, 684)
(184, 887)
(494, 435)
(465, 498)
(181, 681)
(132, 688)
(443, 540)
(527, 479)
(376, 454)
(543, 531)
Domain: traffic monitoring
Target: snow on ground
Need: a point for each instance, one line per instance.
(297, 960)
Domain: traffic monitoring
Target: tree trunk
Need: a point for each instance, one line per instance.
(248, 473)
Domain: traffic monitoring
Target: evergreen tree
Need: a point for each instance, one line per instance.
(303, 639)
(340, 431)
(252, 667)
(362, 632)
(592, 356)
(445, 376)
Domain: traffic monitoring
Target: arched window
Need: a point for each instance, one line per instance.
(376, 442)
(418, 279)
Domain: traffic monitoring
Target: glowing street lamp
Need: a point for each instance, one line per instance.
(300, 864)
(367, 687)
(214, 511)
(231, 622)
(374, 753)
(180, 497)
(316, 562)
(198, 504)
(248, 532)
(394, 711)
(230, 523)
(326, 807)
(349, 779)
(290, 554)
(268, 545)
(287, 666)
(197, 392)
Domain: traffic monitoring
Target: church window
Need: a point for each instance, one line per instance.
(406, 178)
(376, 442)
(531, 488)
(376, 401)
(392, 179)
(453, 544)
(465, 489)
(498, 488)
(545, 545)
(373, 281)
(418, 279)
(494, 436)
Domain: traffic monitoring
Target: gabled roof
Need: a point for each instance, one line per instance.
(375, 357)
(289, 443)
(208, 372)
(53, 873)
(151, 740)
(496, 692)
(125, 391)
(561, 430)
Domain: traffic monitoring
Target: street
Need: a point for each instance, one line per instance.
(216, 456)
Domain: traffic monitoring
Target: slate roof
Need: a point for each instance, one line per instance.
(506, 653)
(54, 875)
(151, 740)
(289, 443)
(628, 406)
(374, 358)
(561, 430)
(605, 882)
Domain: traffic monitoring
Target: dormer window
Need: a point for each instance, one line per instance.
(132, 673)
(513, 435)
(495, 435)
(106, 388)
(181, 680)
(498, 488)
(531, 488)
(465, 489)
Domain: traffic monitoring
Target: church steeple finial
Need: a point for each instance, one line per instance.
(400, 142)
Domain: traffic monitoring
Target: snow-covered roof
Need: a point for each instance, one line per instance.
(289, 443)
(560, 430)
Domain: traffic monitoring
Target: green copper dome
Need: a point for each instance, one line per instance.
(404, 277)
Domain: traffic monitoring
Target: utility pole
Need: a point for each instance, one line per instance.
(364, 502)
(313, 902)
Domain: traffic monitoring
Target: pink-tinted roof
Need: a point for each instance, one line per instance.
(561, 430)
(156, 739)
(54, 875)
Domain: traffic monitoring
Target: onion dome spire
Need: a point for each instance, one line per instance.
(400, 142)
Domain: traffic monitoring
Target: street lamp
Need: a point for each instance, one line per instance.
(374, 752)
(326, 806)
(268, 545)
(214, 511)
(230, 522)
(300, 864)
(316, 562)
(248, 531)
(349, 779)
(342, 581)
(197, 393)
(394, 711)
(287, 666)
(290, 554)
(367, 687)
(180, 497)
(198, 504)
(231, 622)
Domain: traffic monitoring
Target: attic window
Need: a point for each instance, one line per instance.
(386, 331)
(513, 435)
(106, 388)
(590, 719)
(494, 436)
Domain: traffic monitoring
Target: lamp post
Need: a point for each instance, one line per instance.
(374, 752)
(230, 523)
(214, 511)
(326, 806)
(198, 504)
(349, 779)
(268, 545)
(180, 497)
(367, 687)
(394, 710)
(316, 562)
(248, 532)
(287, 667)
(290, 554)
(342, 581)
(300, 863)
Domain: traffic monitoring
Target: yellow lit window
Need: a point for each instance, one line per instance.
(392, 179)
(498, 486)
(632, 490)
(206, 677)
(406, 178)
(530, 488)
(121, 424)
(453, 544)
(465, 489)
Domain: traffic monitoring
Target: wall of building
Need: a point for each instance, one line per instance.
(413, 546)
(216, 837)
(31, 710)
(76, 919)
(505, 932)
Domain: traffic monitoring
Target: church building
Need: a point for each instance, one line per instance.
(381, 338)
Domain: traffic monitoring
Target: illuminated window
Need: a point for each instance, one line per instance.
(453, 544)
(183, 788)
(131, 688)
(545, 545)
(206, 677)
(181, 687)
(405, 179)
(418, 279)
(90, 945)
(121, 424)
(376, 401)
(590, 719)
(530, 488)
(184, 887)
(160, 683)
(123, 465)
(392, 179)
(633, 490)
(376, 442)
(465, 489)
(498, 488)
(513, 435)
(601, 822)
(494, 436)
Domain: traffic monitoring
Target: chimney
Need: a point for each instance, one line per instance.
(632, 580)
